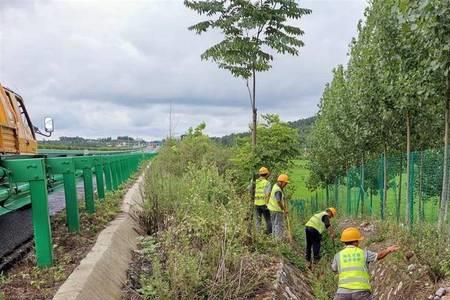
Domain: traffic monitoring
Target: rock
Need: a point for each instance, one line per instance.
(441, 292)
(411, 267)
(408, 255)
(400, 285)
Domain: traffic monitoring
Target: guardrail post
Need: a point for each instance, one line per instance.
(85, 163)
(66, 166)
(122, 169)
(98, 164)
(116, 175)
(33, 171)
(107, 168)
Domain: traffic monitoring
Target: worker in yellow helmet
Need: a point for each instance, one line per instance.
(262, 195)
(352, 265)
(277, 207)
(314, 228)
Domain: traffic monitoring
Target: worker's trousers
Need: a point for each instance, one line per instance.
(263, 211)
(313, 238)
(362, 295)
(277, 219)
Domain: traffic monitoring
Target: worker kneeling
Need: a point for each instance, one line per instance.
(352, 264)
(314, 229)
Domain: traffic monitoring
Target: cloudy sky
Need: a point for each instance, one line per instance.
(108, 68)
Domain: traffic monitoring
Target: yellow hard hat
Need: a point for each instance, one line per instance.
(263, 171)
(283, 178)
(351, 234)
(332, 210)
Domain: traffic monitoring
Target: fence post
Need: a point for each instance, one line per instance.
(336, 192)
(66, 166)
(317, 199)
(362, 191)
(85, 163)
(33, 171)
(349, 192)
(381, 184)
(114, 175)
(411, 189)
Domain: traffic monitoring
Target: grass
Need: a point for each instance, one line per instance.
(299, 176)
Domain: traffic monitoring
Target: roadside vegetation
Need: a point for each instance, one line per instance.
(199, 217)
(26, 281)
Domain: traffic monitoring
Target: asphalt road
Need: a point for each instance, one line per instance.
(16, 227)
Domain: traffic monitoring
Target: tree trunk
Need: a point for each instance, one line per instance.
(399, 200)
(254, 110)
(385, 180)
(363, 192)
(444, 196)
(254, 119)
(408, 161)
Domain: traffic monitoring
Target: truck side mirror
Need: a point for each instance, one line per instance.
(48, 125)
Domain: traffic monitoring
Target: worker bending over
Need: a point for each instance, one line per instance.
(262, 195)
(352, 264)
(314, 229)
(277, 206)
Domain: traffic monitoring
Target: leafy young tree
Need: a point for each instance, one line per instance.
(252, 31)
(278, 145)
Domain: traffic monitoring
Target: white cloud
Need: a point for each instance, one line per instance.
(104, 68)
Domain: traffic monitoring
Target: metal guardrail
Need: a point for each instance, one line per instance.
(110, 170)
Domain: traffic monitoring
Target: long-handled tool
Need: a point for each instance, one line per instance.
(288, 223)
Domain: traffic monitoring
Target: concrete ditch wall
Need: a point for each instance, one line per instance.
(102, 273)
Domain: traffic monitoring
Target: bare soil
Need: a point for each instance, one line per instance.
(391, 278)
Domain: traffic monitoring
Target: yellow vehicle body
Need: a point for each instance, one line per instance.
(16, 130)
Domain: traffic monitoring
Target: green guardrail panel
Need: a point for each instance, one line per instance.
(60, 165)
(83, 162)
(21, 170)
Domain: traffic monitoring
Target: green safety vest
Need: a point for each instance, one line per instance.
(273, 203)
(352, 268)
(316, 222)
(260, 196)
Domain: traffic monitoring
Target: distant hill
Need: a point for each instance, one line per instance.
(304, 127)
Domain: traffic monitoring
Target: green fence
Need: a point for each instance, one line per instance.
(34, 174)
(361, 191)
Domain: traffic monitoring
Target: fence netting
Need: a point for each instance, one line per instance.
(362, 191)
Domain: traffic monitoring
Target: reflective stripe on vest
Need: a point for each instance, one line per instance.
(316, 222)
(352, 267)
(260, 196)
(273, 203)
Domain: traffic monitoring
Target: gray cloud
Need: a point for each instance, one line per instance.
(113, 69)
